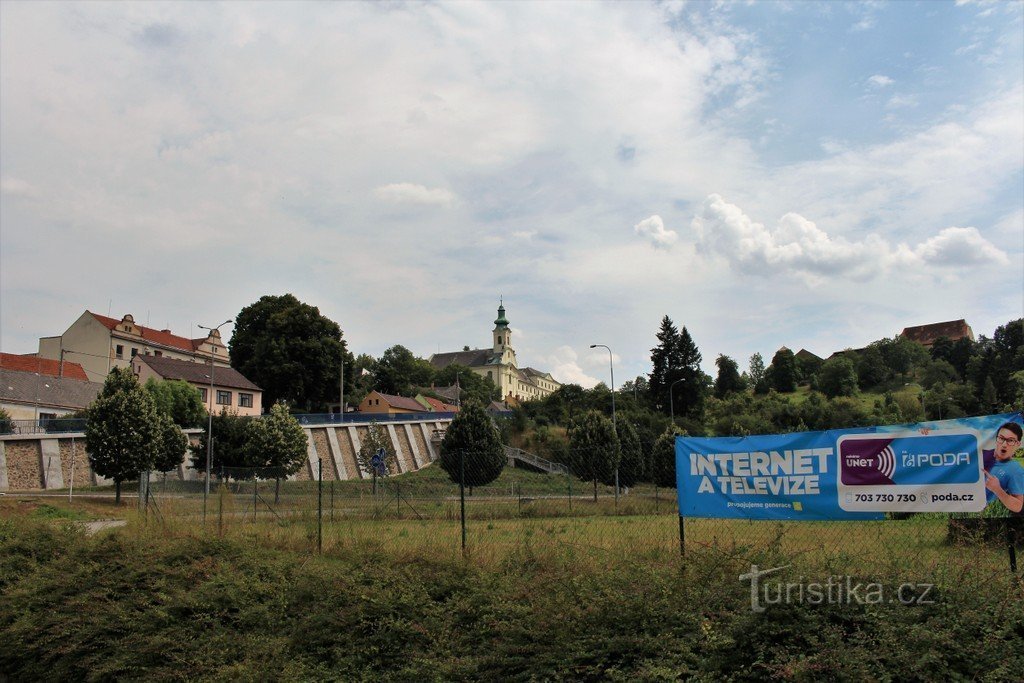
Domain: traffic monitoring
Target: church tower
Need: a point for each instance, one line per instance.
(503, 338)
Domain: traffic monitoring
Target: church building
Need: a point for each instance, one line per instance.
(500, 365)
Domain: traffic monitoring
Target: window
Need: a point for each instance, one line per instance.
(158, 353)
(202, 392)
(223, 398)
(244, 400)
(135, 352)
(119, 351)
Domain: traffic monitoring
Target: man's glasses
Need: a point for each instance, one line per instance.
(1008, 441)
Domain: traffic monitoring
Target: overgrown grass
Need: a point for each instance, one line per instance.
(169, 604)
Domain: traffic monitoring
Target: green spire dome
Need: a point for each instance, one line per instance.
(502, 321)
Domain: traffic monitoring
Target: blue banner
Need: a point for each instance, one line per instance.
(854, 474)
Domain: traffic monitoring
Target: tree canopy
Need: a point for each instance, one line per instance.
(122, 434)
(276, 442)
(675, 364)
(593, 448)
(291, 351)
(399, 372)
(179, 400)
(473, 437)
(728, 379)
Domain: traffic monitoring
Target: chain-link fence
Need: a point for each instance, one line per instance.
(457, 505)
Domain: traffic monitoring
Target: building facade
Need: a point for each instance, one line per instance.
(99, 343)
(500, 365)
(232, 391)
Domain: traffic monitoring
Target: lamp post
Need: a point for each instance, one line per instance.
(611, 369)
(341, 381)
(209, 424)
(671, 402)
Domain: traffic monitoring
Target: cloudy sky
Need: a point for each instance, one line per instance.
(806, 174)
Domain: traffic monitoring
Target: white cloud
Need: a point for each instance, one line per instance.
(410, 193)
(564, 366)
(880, 81)
(798, 247)
(653, 228)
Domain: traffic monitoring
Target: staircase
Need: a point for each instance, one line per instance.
(517, 457)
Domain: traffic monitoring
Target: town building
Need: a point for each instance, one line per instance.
(926, 335)
(28, 394)
(99, 343)
(500, 365)
(232, 391)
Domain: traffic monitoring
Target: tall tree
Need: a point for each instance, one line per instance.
(631, 459)
(399, 372)
(728, 379)
(782, 372)
(758, 378)
(594, 449)
(229, 444)
(276, 444)
(472, 450)
(665, 363)
(122, 434)
(664, 458)
(290, 350)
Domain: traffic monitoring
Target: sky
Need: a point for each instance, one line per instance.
(817, 175)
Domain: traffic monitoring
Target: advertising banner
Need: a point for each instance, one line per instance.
(854, 474)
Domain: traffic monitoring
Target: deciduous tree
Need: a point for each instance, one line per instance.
(728, 379)
(178, 400)
(291, 351)
(122, 434)
(594, 449)
(473, 437)
(377, 439)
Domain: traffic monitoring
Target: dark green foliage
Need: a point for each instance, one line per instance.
(871, 369)
(675, 365)
(275, 441)
(472, 387)
(472, 447)
(756, 370)
(121, 607)
(123, 433)
(937, 372)
(173, 445)
(178, 400)
(837, 377)
(593, 448)
(291, 351)
(631, 460)
(664, 458)
(728, 379)
(399, 372)
(5, 422)
(782, 373)
(229, 443)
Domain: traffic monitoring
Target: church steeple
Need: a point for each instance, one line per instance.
(502, 335)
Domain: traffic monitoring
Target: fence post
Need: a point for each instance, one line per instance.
(332, 500)
(255, 481)
(320, 506)
(519, 492)
(682, 536)
(398, 499)
(462, 497)
(569, 479)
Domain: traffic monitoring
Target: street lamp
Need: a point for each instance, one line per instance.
(209, 427)
(611, 369)
(671, 402)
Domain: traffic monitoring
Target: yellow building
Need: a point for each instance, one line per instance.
(99, 343)
(499, 364)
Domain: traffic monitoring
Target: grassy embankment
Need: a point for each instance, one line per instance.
(173, 604)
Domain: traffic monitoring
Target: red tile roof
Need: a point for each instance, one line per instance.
(44, 366)
(440, 406)
(929, 334)
(162, 337)
(403, 402)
